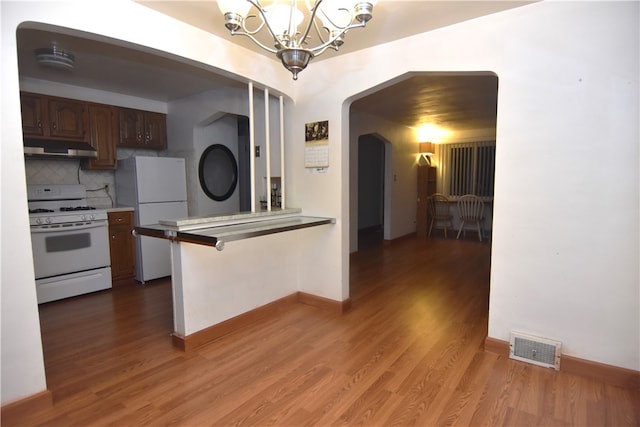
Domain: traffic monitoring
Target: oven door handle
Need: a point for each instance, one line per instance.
(49, 229)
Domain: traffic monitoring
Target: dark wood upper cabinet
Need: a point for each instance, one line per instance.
(105, 127)
(156, 130)
(55, 118)
(103, 136)
(32, 118)
(67, 119)
(142, 129)
(131, 127)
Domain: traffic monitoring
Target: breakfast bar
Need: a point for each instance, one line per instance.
(216, 230)
(232, 270)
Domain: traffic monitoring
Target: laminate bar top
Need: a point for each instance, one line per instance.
(217, 235)
(224, 219)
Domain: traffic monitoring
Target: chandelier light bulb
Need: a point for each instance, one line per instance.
(238, 7)
(335, 14)
(284, 19)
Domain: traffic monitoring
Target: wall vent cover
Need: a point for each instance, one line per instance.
(538, 351)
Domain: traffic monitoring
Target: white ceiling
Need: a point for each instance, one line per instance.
(462, 101)
(392, 19)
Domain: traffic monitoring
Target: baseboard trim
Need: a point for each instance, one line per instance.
(613, 375)
(35, 402)
(495, 346)
(324, 303)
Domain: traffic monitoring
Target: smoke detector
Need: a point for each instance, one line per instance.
(54, 57)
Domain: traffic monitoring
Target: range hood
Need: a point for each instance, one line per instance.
(54, 148)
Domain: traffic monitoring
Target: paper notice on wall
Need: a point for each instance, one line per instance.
(316, 148)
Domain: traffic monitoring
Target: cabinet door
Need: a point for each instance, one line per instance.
(131, 128)
(122, 246)
(103, 136)
(67, 119)
(31, 106)
(156, 130)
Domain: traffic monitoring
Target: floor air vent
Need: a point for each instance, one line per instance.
(536, 350)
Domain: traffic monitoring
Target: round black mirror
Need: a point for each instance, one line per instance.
(218, 172)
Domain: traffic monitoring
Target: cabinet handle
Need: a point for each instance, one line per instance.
(139, 136)
(113, 237)
(148, 137)
(119, 219)
(39, 124)
(55, 125)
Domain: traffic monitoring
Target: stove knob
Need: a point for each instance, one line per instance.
(83, 217)
(92, 217)
(48, 220)
(38, 220)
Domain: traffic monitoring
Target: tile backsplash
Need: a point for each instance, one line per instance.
(69, 171)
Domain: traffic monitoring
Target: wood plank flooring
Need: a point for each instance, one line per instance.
(409, 352)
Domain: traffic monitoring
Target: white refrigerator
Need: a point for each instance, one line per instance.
(156, 187)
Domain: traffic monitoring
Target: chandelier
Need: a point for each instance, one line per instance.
(329, 20)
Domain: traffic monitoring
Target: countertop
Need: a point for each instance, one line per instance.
(215, 231)
(120, 209)
(198, 222)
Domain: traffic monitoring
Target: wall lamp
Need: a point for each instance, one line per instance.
(426, 149)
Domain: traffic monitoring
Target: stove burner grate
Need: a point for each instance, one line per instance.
(76, 208)
(40, 210)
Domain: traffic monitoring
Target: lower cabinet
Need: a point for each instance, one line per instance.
(123, 264)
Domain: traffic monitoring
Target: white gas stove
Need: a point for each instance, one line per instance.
(58, 204)
(70, 242)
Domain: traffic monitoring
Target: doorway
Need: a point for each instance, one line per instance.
(466, 102)
(453, 107)
(371, 188)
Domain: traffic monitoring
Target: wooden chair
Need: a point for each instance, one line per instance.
(438, 208)
(471, 210)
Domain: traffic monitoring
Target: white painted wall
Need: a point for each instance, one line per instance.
(196, 122)
(567, 162)
(22, 364)
(92, 95)
(218, 285)
(564, 93)
(223, 131)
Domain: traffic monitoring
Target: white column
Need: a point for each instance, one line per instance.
(268, 146)
(282, 180)
(252, 149)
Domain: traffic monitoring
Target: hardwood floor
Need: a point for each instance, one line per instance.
(409, 352)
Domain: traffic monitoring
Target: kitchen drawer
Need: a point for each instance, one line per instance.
(124, 218)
